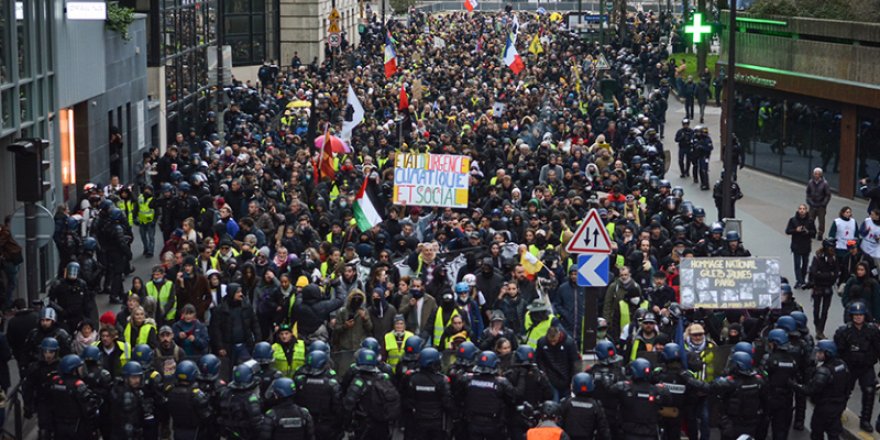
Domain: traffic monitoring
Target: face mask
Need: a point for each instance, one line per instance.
(635, 300)
(159, 280)
(416, 293)
(462, 300)
(343, 204)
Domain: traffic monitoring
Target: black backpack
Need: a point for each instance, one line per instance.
(382, 401)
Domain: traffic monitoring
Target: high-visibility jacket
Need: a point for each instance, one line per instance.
(123, 347)
(285, 366)
(395, 350)
(538, 332)
(624, 312)
(146, 214)
(164, 298)
(127, 206)
(544, 433)
(143, 334)
(439, 325)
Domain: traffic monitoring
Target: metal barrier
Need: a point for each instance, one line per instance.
(13, 406)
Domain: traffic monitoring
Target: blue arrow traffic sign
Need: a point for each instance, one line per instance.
(592, 270)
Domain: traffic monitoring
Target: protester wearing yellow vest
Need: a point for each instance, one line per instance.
(395, 341)
(139, 330)
(624, 314)
(114, 353)
(289, 353)
(145, 217)
(126, 204)
(162, 291)
(447, 309)
(538, 321)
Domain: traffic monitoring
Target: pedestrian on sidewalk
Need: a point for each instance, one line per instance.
(688, 92)
(702, 93)
(801, 229)
(818, 196)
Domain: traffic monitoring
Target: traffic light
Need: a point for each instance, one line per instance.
(32, 176)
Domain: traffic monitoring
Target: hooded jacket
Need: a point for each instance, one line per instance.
(232, 317)
(310, 310)
(350, 338)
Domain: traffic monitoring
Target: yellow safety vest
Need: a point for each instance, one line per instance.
(395, 350)
(538, 332)
(123, 346)
(143, 333)
(439, 326)
(281, 364)
(146, 215)
(127, 206)
(624, 312)
(162, 297)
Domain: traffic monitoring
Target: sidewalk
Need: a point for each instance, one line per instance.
(768, 203)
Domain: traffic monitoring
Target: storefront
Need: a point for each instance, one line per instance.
(790, 123)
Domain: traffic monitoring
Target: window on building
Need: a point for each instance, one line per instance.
(245, 30)
(868, 148)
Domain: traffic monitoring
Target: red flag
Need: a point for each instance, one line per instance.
(404, 100)
(326, 160)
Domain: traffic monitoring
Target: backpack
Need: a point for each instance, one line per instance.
(382, 401)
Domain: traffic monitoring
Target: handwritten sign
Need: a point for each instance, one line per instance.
(431, 180)
(730, 283)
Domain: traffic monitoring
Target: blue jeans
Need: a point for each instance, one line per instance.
(800, 267)
(148, 237)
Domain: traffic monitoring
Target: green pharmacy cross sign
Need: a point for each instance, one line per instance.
(698, 28)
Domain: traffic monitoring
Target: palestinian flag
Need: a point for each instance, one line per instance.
(365, 207)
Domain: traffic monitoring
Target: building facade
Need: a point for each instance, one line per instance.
(304, 26)
(807, 96)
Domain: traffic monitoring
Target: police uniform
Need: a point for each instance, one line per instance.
(240, 410)
(583, 418)
(859, 348)
(488, 399)
(72, 408)
(287, 421)
(127, 411)
(426, 400)
(190, 411)
(320, 393)
(606, 375)
(780, 367)
(640, 402)
(829, 388)
(741, 408)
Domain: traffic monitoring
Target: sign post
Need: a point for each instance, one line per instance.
(593, 245)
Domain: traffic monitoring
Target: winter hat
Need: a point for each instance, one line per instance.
(302, 281)
(108, 318)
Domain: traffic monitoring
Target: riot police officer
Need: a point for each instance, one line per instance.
(488, 399)
(548, 427)
(371, 402)
(35, 387)
(71, 296)
(640, 401)
(72, 406)
(606, 372)
(373, 345)
(858, 343)
(210, 383)
(127, 404)
(780, 366)
(681, 386)
(701, 150)
(263, 354)
(530, 382)
(318, 390)
(427, 399)
(740, 395)
(412, 347)
(188, 405)
(100, 382)
(684, 137)
(802, 350)
(240, 405)
(48, 328)
(153, 398)
(285, 420)
(458, 372)
(583, 417)
(829, 388)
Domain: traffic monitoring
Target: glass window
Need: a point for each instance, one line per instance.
(868, 149)
(4, 45)
(238, 25)
(6, 102)
(24, 56)
(25, 98)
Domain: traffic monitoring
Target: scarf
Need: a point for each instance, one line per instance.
(280, 262)
(694, 347)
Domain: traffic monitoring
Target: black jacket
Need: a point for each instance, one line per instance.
(800, 239)
(558, 361)
(223, 320)
(311, 310)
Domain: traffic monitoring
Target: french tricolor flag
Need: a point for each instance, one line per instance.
(390, 57)
(470, 5)
(511, 57)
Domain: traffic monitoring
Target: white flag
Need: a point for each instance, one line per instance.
(357, 114)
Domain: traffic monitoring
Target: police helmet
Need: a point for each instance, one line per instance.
(69, 364)
(678, 192)
(318, 346)
(786, 323)
(639, 369)
(91, 354)
(717, 228)
(828, 346)
(90, 244)
(582, 384)
(242, 376)
(829, 243)
(209, 367)
(732, 236)
(744, 347)
(785, 288)
(316, 360)
(281, 388)
(487, 362)
(429, 358)
(143, 354)
(72, 223)
(72, 270)
(685, 121)
(857, 308)
(132, 368)
(49, 344)
(679, 230)
(263, 353)
(800, 318)
(175, 176)
(741, 362)
(105, 205)
(187, 371)
(184, 186)
(49, 313)
(550, 410)
(636, 159)
(117, 215)
(525, 354)
(370, 344)
(366, 359)
(778, 336)
(412, 346)
(665, 184)
(699, 212)
(467, 351)
(605, 350)
(671, 352)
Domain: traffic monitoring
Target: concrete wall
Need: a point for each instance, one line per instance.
(849, 60)
(304, 27)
